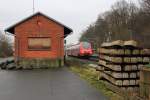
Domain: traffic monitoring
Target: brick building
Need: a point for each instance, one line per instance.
(39, 41)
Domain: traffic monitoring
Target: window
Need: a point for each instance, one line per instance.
(39, 43)
(86, 45)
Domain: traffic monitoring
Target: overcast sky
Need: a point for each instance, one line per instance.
(77, 14)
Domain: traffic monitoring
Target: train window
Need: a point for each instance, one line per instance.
(86, 45)
(39, 43)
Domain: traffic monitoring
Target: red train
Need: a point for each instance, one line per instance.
(82, 49)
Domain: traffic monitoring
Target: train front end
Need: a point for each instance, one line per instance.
(85, 49)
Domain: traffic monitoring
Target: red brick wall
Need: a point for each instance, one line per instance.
(47, 28)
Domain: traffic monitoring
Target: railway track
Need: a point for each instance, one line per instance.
(89, 60)
(94, 58)
(7, 63)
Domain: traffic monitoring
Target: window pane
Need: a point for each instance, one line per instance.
(86, 45)
(39, 43)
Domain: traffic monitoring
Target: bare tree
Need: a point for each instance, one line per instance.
(5, 46)
(124, 21)
(121, 19)
(146, 6)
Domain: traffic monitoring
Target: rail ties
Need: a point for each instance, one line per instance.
(6, 63)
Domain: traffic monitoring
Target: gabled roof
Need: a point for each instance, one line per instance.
(67, 30)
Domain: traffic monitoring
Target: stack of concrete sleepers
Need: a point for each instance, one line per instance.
(120, 63)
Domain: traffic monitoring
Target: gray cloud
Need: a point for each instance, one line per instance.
(77, 14)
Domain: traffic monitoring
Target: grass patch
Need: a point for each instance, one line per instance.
(91, 76)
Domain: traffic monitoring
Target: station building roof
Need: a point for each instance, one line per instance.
(11, 29)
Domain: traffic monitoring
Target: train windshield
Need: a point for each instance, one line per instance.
(86, 45)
